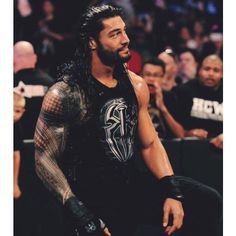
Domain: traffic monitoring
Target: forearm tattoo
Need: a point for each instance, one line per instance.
(50, 139)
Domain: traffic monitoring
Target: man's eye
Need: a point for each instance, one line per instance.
(115, 34)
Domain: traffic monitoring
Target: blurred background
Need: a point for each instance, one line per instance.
(153, 26)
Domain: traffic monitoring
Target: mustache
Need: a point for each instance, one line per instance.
(124, 47)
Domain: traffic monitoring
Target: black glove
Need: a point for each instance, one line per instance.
(170, 186)
(85, 221)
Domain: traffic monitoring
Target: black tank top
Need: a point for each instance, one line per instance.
(109, 133)
(99, 152)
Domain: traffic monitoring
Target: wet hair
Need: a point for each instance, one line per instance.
(90, 25)
(155, 61)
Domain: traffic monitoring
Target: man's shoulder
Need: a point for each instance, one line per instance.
(140, 88)
(137, 81)
(56, 99)
(66, 92)
(60, 88)
(189, 87)
(33, 77)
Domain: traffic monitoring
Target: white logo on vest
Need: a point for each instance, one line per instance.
(119, 129)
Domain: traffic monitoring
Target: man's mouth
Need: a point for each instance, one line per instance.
(151, 86)
(124, 49)
(208, 80)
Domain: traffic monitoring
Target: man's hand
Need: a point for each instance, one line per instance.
(199, 133)
(159, 97)
(174, 208)
(218, 141)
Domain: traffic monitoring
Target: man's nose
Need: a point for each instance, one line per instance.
(151, 78)
(125, 38)
(210, 73)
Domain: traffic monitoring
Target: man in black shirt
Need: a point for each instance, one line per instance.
(153, 71)
(199, 102)
(85, 142)
(31, 83)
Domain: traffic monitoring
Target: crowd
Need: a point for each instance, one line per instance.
(154, 25)
(179, 33)
(176, 47)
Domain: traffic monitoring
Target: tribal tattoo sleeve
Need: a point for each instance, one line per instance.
(50, 139)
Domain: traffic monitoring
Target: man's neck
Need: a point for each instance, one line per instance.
(101, 71)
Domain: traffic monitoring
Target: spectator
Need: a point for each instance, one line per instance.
(200, 102)
(31, 82)
(49, 37)
(153, 71)
(19, 109)
(169, 81)
(25, 21)
(183, 37)
(199, 34)
(187, 65)
(214, 45)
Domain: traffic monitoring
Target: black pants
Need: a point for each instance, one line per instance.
(202, 207)
(144, 206)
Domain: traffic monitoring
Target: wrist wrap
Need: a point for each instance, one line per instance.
(170, 186)
(86, 221)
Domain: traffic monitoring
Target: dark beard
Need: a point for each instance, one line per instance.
(110, 58)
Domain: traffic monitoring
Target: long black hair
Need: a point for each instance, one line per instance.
(90, 25)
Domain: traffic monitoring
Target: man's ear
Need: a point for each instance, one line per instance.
(92, 44)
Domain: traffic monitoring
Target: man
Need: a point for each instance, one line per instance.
(31, 83)
(187, 66)
(200, 102)
(169, 58)
(153, 71)
(85, 136)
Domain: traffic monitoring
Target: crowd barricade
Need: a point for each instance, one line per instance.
(193, 158)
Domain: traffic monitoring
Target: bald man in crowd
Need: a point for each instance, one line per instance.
(30, 82)
(169, 80)
(199, 102)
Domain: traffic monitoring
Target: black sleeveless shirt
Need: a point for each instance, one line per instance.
(100, 150)
(109, 133)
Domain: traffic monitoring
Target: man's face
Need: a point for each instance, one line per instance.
(19, 104)
(113, 42)
(171, 67)
(18, 112)
(211, 72)
(187, 65)
(152, 74)
(186, 59)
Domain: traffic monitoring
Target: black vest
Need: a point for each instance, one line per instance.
(100, 150)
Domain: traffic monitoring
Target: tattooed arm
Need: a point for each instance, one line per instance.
(50, 139)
